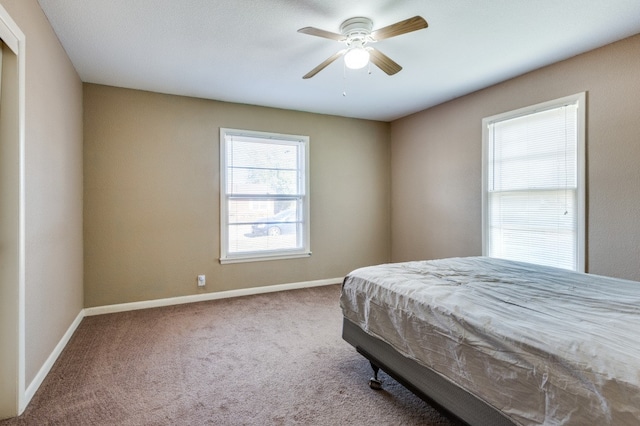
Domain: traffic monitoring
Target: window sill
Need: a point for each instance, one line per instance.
(262, 258)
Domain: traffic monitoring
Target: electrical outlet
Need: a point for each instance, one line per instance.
(201, 280)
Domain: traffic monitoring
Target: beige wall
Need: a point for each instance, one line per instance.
(151, 192)
(53, 186)
(436, 161)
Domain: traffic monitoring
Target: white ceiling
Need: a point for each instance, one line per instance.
(249, 51)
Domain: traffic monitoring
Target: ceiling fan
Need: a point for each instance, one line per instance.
(356, 33)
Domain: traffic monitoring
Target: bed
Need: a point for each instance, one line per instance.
(498, 342)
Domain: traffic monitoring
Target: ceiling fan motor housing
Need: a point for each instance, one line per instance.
(358, 28)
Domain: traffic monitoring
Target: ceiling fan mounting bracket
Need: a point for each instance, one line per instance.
(358, 27)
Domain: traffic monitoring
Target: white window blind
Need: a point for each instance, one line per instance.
(264, 196)
(533, 184)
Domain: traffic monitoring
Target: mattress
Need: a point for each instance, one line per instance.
(542, 345)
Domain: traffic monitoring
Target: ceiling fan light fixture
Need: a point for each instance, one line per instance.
(356, 58)
(355, 33)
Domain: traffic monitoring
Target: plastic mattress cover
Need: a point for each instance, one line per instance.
(542, 345)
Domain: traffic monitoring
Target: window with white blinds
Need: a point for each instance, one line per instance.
(533, 184)
(264, 196)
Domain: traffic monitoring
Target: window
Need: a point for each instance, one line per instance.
(533, 184)
(264, 196)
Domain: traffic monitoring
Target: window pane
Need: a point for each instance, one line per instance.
(535, 151)
(264, 225)
(534, 226)
(263, 167)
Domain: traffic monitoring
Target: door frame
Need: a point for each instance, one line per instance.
(12, 282)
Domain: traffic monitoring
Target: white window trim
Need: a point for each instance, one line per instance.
(305, 251)
(580, 99)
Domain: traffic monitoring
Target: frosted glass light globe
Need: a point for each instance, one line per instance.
(356, 58)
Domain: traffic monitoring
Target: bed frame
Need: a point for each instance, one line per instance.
(422, 381)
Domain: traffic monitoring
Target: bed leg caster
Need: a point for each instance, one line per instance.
(374, 383)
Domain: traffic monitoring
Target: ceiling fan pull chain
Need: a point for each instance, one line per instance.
(344, 79)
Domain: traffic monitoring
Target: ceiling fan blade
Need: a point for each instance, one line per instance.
(383, 62)
(402, 27)
(322, 33)
(324, 64)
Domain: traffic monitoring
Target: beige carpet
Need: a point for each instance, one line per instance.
(274, 359)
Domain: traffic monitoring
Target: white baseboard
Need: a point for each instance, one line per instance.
(48, 364)
(122, 307)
